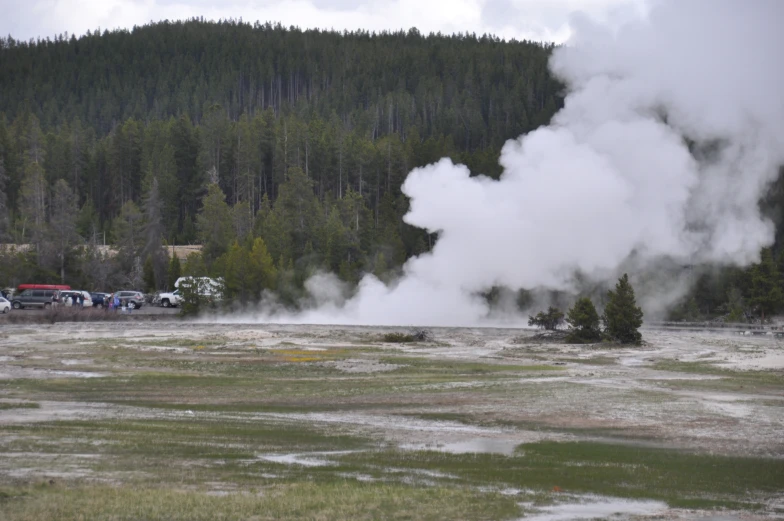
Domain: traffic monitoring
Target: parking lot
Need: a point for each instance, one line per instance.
(145, 311)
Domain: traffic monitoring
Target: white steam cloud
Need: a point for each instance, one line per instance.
(673, 127)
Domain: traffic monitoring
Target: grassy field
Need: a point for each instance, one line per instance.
(207, 427)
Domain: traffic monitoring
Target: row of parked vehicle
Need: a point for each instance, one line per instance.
(45, 297)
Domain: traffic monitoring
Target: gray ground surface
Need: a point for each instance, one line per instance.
(720, 393)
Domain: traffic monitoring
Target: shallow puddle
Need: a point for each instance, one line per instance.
(306, 459)
(473, 446)
(598, 508)
(78, 374)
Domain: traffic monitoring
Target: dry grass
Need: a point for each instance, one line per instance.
(316, 501)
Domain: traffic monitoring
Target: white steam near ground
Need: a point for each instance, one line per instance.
(672, 130)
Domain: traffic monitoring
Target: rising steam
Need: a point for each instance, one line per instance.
(673, 127)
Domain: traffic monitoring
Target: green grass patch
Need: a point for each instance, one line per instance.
(421, 365)
(4, 406)
(681, 479)
(751, 379)
(208, 382)
(316, 501)
(188, 437)
(595, 360)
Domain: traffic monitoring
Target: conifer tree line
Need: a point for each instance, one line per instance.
(281, 151)
(258, 141)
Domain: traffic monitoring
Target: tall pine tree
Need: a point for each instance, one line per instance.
(622, 317)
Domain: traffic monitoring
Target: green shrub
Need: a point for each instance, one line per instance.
(583, 323)
(622, 317)
(398, 338)
(549, 320)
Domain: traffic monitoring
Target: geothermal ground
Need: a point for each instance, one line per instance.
(176, 420)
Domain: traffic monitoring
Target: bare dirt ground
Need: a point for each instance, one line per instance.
(719, 394)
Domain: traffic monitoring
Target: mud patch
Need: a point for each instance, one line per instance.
(359, 365)
(247, 335)
(77, 374)
(76, 362)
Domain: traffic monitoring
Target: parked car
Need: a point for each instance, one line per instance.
(168, 299)
(33, 298)
(87, 300)
(5, 306)
(132, 299)
(100, 299)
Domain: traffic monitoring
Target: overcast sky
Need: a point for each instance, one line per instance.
(542, 20)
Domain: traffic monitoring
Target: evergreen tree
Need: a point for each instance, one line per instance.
(335, 241)
(174, 272)
(153, 235)
(192, 300)
(766, 293)
(583, 322)
(263, 272)
(622, 317)
(358, 225)
(194, 265)
(128, 236)
(238, 273)
(215, 224)
(380, 268)
(4, 220)
(735, 306)
(277, 237)
(62, 224)
(149, 275)
(549, 320)
(242, 220)
(299, 209)
(87, 225)
(33, 206)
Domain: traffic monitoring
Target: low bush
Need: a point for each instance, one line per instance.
(398, 338)
(420, 335)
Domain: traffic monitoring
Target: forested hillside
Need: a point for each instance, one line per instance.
(197, 132)
(281, 151)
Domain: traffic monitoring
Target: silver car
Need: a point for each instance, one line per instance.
(5, 306)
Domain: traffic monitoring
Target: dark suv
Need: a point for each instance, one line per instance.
(33, 298)
(132, 299)
(100, 299)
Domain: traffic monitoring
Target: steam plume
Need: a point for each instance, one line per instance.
(673, 127)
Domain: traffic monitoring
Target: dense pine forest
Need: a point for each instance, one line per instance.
(281, 151)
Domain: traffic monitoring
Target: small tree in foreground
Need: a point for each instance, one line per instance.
(583, 323)
(549, 320)
(622, 317)
(192, 299)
